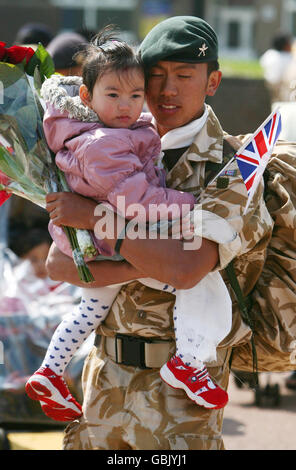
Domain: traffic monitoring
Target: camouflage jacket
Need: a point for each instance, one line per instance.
(139, 310)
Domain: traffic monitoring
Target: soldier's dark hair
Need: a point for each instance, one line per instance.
(213, 66)
(107, 53)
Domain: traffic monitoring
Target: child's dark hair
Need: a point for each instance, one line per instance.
(23, 239)
(107, 53)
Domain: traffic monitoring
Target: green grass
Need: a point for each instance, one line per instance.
(241, 68)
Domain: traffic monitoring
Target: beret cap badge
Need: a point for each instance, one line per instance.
(202, 50)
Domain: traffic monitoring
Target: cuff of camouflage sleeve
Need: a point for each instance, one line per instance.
(213, 227)
(227, 252)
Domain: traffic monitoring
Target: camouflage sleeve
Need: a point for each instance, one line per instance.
(226, 197)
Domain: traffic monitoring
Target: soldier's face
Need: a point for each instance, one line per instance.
(176, 92)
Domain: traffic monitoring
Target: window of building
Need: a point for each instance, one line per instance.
(233, 34)
(72, 19)
(95, 14)
(235, 28)
(288, 19)
(293, 23)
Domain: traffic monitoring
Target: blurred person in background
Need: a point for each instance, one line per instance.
(31, 244)
(33, 33)
(89, 34)
(275, 62)
(291, 381)
(31, 307)
(62, 49)
(289, 89)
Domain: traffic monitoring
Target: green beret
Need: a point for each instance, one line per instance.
(180, 39)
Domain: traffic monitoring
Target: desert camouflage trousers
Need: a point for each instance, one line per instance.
(131, 408)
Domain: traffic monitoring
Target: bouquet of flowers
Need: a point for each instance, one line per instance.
(27, 165)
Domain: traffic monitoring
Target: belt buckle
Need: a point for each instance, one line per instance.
(132, 350)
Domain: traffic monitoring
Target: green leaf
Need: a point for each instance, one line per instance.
(37, 82)
(42, 62)
(47, 67)
(33, 63)
(10, 74)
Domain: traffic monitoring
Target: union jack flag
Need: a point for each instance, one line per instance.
(253, 156)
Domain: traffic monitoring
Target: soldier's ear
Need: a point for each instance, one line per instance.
(85, 95)
(213, 82)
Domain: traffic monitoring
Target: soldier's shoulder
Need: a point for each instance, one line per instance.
(284, 146)
(283, 158)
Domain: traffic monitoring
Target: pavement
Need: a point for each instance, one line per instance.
(47, 440)
(265, 427)
(246, 425)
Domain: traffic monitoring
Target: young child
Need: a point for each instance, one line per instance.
(107, 148)
(31, 244)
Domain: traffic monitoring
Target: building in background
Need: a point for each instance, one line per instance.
(234, 21)
(151, 12)
(134, 17)
(246, 27)
(92, 15)
(15, 13)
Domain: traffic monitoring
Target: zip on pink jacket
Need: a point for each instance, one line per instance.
(104, 163)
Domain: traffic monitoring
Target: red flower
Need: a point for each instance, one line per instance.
(17, 54)
(3, 197)
(2, 50)
(3, 178)
(3, 194)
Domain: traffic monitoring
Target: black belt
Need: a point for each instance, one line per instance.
(136, 351)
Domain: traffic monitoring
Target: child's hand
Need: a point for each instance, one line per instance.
(70, 209)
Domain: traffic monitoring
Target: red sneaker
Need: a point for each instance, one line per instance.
(196, 382)
(55, 397)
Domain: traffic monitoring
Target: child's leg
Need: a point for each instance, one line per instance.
(154, 284)
(46, 384)
(187, 358)
(202, 318)
(74, 330)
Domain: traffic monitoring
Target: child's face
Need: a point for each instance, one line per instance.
(37, 256)
(118, 100)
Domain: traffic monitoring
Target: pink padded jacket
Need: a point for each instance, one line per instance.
(104, 163)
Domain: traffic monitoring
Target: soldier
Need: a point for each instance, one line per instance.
(275, 63)
(126, 404)
(65, 49)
